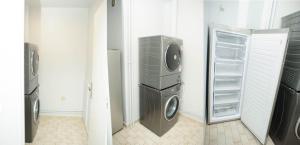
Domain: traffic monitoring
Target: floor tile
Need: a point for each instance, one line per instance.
(231, 133)
(185, 132)
(57, 130)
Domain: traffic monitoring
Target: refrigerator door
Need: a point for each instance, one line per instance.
(264, 67)
(227, 53)
(115, 89)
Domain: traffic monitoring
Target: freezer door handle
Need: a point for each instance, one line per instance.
(113, 3)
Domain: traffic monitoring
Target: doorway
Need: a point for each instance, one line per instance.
(72, 73)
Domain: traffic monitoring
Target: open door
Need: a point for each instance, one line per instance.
(99, 132)
(264, 67)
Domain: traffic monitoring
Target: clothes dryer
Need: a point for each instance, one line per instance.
(31, 64)
(160, 61)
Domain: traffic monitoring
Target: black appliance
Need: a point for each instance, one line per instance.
(284, 128)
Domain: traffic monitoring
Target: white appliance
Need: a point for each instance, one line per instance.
(244, 72)
(115, 89)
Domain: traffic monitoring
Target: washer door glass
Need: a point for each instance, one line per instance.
(171, 107)
(34, 62)
(173, 57)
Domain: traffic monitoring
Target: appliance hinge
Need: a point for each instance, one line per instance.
(90, 89)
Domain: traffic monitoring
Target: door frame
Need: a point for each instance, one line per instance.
(127, 58)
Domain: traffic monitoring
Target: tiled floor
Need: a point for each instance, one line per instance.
(60, 131)
(230, 133)
(185, 132)
(71, 131)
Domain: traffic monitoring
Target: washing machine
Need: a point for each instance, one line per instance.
(285, 128)
(160, 61)
(31, 64)
(159, 108)
(32, 110)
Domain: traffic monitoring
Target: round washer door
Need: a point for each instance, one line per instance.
(173, 57)
(34, 62)
(171, 107)
(36, 110)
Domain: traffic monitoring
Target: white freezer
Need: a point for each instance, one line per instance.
(245, 69)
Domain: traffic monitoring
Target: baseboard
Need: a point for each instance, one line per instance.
(126, 124)
(200, 120)
(62, 113)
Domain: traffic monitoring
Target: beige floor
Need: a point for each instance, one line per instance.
(60, 131)
(185, 132)
(71, 131)
(230, 133)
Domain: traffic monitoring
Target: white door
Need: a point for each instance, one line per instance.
(99, 132)
(262, 78)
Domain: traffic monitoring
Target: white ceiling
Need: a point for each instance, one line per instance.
(66, 3)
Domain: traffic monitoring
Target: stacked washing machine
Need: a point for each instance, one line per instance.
(31, 87)
(160, 81)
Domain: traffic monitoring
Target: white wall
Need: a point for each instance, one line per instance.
(190, 29)
(26, 20)
(12, 73)
(284, 8)
(67, 3)
(32, 22)
(255, 10)
(221, 11)
(35, 22)
(63, 58)
(115, 25)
